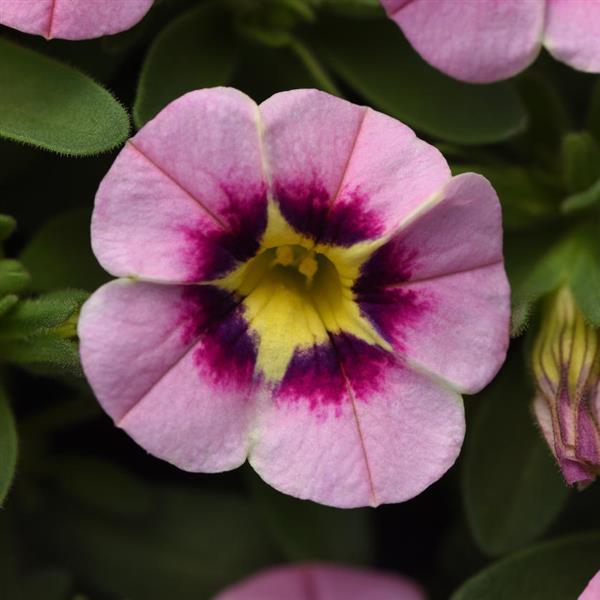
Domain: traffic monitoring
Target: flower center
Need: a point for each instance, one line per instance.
(297, 295)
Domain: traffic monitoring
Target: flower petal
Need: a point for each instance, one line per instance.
(572, 33)
(172, 209)
(72, 19)
(344, 173)
(592, 590)
(469, 40)
(308, 581)
(350, 426)
(438, 292)
(173, 367)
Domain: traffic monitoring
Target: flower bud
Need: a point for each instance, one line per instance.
(566, 364)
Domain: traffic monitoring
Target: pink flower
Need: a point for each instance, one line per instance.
(304, 285)
(488, 40)
(591, 592)
(326, 582)
(566, 364)
(72, 19)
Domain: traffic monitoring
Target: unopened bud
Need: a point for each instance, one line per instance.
(566, 364)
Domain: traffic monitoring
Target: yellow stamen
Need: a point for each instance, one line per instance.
(308, 266)
(284, 255)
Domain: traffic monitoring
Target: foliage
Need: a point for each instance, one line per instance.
(88, 512)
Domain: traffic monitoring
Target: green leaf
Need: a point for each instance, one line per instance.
(354, 8)
(286, 71)
(54, 106)
(557, 570)
(197, 50)
(304, 530)
(535, 264)
(6, 303)
(549, 117)
(41, 315)
(511, 487)
(44, 354)
(13, 276)
(60, 256)
(580, 161)
(49, 584)
(190, 546)
(582, 200)
(373, 57)
(7, 226)
(585, 271)
(102, 486)
(8, 446)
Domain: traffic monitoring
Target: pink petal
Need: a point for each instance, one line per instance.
(438, 292)
(173, 367)
(377, 433)
(592, 591)
(327, 582)
(476, 41)
(72, 19)
(572, 33)
(343, 173)
(185, 200)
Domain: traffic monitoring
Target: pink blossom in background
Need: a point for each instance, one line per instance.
(304, 285)
(592, 590)
(72, 19)
(489, 40)
(325, 582)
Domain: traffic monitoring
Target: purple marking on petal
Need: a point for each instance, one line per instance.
(226, 352)
(314, 376)
(394, 310)
(304, 205)
(364, 364)
(391, 264)
(319, 376)
(349, 220)
(212, 254)
(200, 306)
(309, 209)
(226, 355)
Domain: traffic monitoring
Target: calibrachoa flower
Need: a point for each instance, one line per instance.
(326, 582)
(566, 363)
(304, 285)
(592, 591)
(488, 40)
(72, 19)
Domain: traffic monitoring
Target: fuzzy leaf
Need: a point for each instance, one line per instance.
(45, 354)
(54, 106)
(41, 315)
